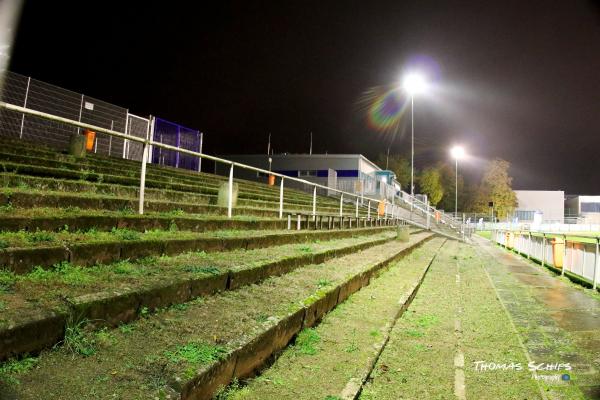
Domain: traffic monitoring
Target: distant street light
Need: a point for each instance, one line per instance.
(413, 83)
(457, 153)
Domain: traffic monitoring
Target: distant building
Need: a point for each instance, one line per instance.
(540, 206)
(352, 173)
(583, 209)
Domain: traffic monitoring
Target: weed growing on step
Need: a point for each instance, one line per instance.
(13, 368)
(41, 236)
(104, 337)
(144, 312)
(306, 342)
(126, 328)
(4, 244)
(173, 213)
(305, 249)
(202, 270)
(64, 272)
(196, 354)
(6, 208)
(321, 283)
(126, 234)
(76, 341)
(2, 305)
(7, 280)
(235, 390)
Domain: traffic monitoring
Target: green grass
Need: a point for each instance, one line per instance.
(76, 341)
(10, 370)
(195, 353)
(485, 234)
(306, 342)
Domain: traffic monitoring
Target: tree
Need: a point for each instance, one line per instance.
(448, 181)
(400, 166)
(496, 186)
(430, 183)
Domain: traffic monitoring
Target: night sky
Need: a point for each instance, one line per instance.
(518, 80)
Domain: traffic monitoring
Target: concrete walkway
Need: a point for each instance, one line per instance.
(559, 322)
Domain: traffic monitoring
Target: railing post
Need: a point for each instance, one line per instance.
(564, 263)
(369, 210)
(357, 206)
(341, 204)
(24, 105)
(596, 265)
(143, 171)
(281, 199)
(314, 204)
(230, 190)
(543, 250)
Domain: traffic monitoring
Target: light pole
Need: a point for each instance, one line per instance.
(456, 152)
(413, 83)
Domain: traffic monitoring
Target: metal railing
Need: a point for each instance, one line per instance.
(576, 255)
(403, 207)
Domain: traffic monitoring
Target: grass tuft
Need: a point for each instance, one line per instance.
(307, 341)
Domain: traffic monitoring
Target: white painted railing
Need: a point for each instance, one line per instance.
(392, 209)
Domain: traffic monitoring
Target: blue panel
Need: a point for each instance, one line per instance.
(322, 173)
(347, 173)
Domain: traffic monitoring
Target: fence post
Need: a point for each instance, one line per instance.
(529, 246)
(315, 203)
(125, 141)
(143, 171)
(369, 210)
(281, 199)
(357, 206)
(25, 106)
(596, 265)
(200, 151)
(564, 263)
(81, 112)
(543, 249)
(341, 204)
(230, 190)
(112, 125)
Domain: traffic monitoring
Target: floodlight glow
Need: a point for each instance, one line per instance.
(457, 152)
(414, 83)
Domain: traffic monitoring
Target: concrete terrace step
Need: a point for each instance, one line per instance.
(116, 166)
(114, 294)
(23, 198)
(57, 219)
(22, 255)
(56, 173)
(15, 182)
(190, 351)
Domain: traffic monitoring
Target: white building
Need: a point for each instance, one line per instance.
(583, 209)
(540, 206)
(352, 173)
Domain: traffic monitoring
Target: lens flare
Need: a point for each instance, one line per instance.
(386, 110)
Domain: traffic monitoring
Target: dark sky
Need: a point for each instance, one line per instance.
(518, 80)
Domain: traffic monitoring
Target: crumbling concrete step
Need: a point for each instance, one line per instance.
(37, 306)
(189, 352)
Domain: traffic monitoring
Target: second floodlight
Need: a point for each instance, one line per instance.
(457, 152)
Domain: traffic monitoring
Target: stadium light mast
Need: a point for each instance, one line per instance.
(413, 83)
(457, 152)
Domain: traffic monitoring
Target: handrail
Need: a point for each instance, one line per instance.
(413, 201)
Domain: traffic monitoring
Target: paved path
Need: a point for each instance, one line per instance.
(559, 322)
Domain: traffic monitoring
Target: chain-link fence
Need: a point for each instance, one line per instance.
(41, 96)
